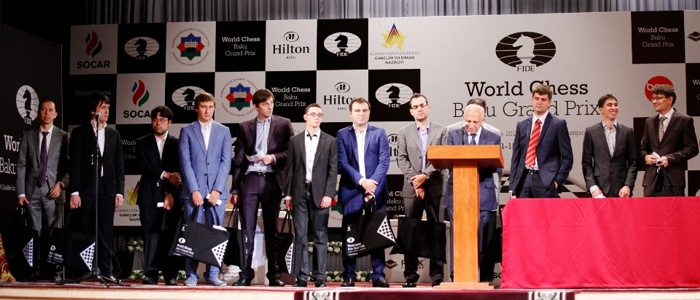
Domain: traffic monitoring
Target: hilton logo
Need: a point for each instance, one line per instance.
(525, 51)
(141, 48)
(393, 95)
(342, 43)
(291, 37)
(340, 100)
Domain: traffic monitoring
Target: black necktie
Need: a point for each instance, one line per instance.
(43, 160)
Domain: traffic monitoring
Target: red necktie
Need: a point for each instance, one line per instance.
(534, 138)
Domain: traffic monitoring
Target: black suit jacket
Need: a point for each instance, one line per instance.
(83, 145)
(151, 187)
(609, 173)
(325, 169)
(280, 132)
(680, 144)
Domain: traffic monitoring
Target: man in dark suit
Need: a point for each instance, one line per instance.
(542, 155)
(205, 162)
(669, 141)
(258, 176)
(159, 195)
(474, 134)
(363, 159)
(609, 158)
(90, 143)
(312, 173)
(424, 184)
(42, 189)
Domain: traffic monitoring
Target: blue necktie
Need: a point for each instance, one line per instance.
(473, 139)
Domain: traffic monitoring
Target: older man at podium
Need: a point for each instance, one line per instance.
(474, 134)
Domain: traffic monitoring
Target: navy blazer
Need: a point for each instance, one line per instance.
(377, 160)
(554, 155)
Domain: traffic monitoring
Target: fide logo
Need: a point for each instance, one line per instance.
(342, 44)
(393, 95)
(525, 51)
(141, 47)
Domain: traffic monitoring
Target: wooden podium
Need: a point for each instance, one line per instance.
(465, 162)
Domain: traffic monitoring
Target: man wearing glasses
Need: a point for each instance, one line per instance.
(423, 184)
(669, 141)
(312, 173)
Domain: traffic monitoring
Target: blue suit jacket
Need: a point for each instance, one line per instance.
(377, 160)
(554, 155)
(205, 170)
(487, 195)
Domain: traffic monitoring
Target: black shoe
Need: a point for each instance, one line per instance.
(242, 282)
(409, 284)
(277, 282)
(436, 282)
(300, 283)
(320, 283)
(381, 282)
(171, 281)
(110, 279)
(348, 283)
(149, 280)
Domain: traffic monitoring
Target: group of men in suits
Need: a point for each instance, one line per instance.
(181, 176)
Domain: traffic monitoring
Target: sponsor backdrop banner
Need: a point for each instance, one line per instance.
(449, 59)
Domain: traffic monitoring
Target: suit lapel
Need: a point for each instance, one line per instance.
(545, 127)
(273, 127)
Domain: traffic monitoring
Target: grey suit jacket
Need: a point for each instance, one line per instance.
(609, 173)
(324, 174)
(28, 161)
(410, 158)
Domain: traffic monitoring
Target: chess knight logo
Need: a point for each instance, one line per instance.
(184, 96)
(342, 43)
(192, 46)
(525, 51)
(393, 95)
(141, 47)
(27, 103)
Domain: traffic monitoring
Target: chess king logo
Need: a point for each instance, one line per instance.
(525, 51)
(393, 95)
(342, 44)
(141, 47)
(27, 103)
(184, 96)
(93, 47)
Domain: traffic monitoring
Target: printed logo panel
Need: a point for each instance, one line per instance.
(658, 37)
(191, 47)
(342, 44)
(98, 50)
(293, 92)
(180, 90)
(240, 46)
(138, 95)
(290, 45)
(389, 93)
(141, 48)
(234, 95)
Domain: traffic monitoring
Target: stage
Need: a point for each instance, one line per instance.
(133, 290)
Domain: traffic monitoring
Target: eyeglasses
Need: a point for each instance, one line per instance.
(314, 115)
(422, 105)
(657, 98)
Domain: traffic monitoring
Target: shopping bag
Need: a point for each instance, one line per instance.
(235, 250)
(200, 242)
(369, 233)
(57, 246)
(79, 244)
(421, 238)
(22, 245)
(285, 245)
